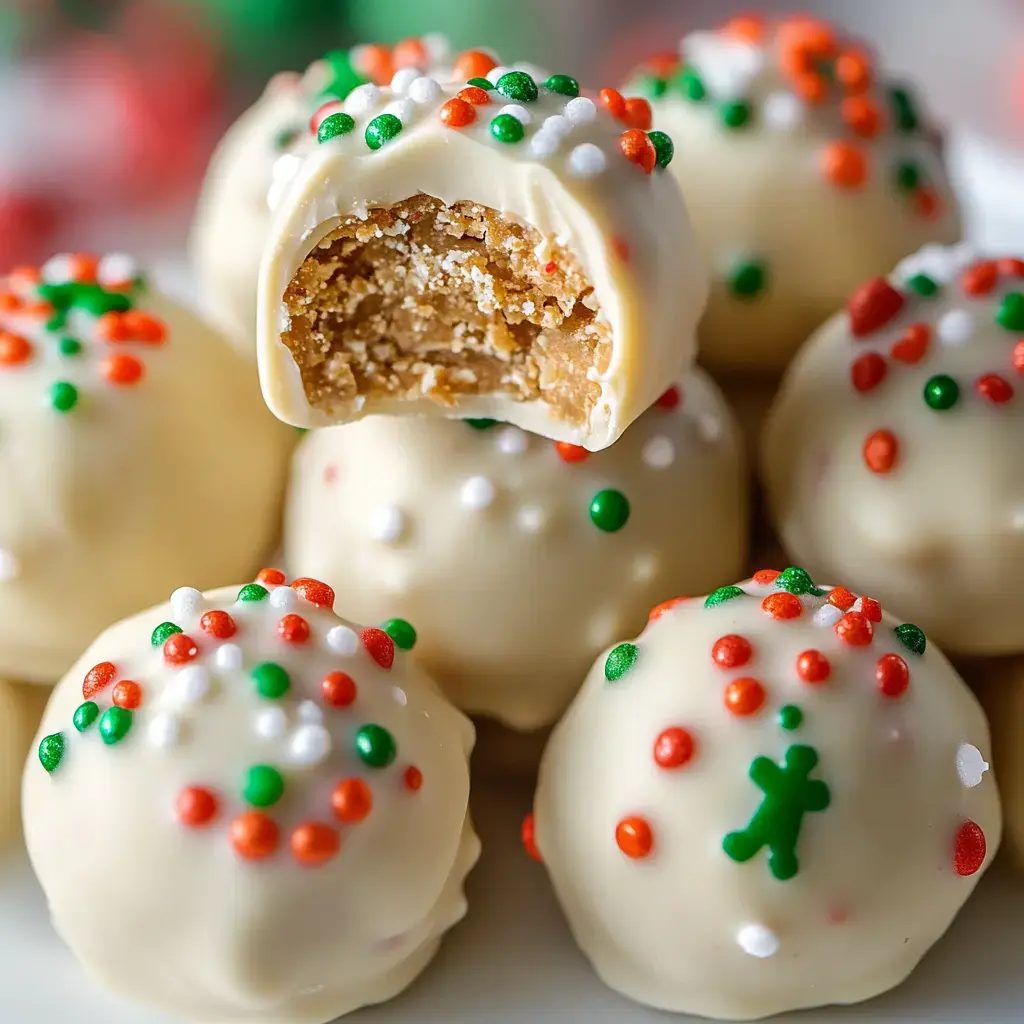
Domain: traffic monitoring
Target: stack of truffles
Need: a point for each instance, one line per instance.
(478, 290)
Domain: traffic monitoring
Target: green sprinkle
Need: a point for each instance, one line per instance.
(941, 392)
(924, 285)
(790, 717)
(375, 746)
(51, 751)
(735, 114)
(519, 86)
(263, 786)
(162, 632)
(284, 138)
(664, 148)
(912, 637)
(63, 396)
(85, 715)
(481, 424)
(92, 298)
(908, 176)
(721, 595)
(689, 83)
(903, 110)
(482, 83)
(382, 129)
(69, 347)
(114, 725)
(1011, 312)
(749, 278)
(609, 510)
(333, 126)
(57, 322)
(506, 128)
(619, 661)
(344, 77)
(797, 581)
(564, 85)
(401, 632)
(253, 592)
(272, 681)
(649, 86)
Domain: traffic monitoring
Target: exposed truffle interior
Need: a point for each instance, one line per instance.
(424, 299)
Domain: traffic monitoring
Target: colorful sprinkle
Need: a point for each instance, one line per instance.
(609, 510)
(352, 801)
(748, 278)
(844, 164)
(795, 580)
(315, 592)
(912, 346)
(313, 844)
(735, 114)
(912, 637)
(620, 660)
(375, 746)
(813, 667)
(970, 765)
(333, 126)
(382, 130)
(218, 624)
(744, 697)
(855, 629)
(564, 85)
(721, 595)
(254, 836)
(881, 450)
(127, 694)
(63, 396)
(732, 651)
(293, 629)
(634, 837)
(790, 717)
(941, 392)
(180, 649)
(528, 836)
(1010, 314)
(85, 715)
(969, 849)
(458, 112)
(379, 646)
(51, 751)
(664, 148)
(272, 681)
(993, 388)
(872, 306)
(195, 807)
(114, 725)
(98, 678)
(571, 452)
(263, 786)
(638, 149)
(518, 86)
(924, 285)
(508, 129)
(402, 632)
(673, 748)
(758, 941)
(783, 606)
(338, 689)
(867, 372)
(253, 592)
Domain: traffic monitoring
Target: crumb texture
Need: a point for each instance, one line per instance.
(427, 300)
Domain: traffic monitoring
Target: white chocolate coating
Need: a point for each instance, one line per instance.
(757, 193)
(483, 539)
(21, 707)
(180, 915)
(567, 179)
(940, 536)
(111, 502)
(884, 856)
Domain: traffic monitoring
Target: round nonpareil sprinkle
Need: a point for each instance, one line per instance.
(813, 667)
(731, 651)
(674, 748)
(758, 941)
(609, 510)
(114, 725)
(744, 696)
(376, 746)
(634, 837)
(352, 801)
(196, 806)
(272, 681)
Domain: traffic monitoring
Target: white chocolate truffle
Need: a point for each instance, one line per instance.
(251, 809)
(513, 252)
(255, 159)
(758, 805)
(125, 427)
(804, 172)
(891, 457)
(517, 559)
(21, 707)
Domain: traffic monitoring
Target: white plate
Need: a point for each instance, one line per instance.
(513, 960)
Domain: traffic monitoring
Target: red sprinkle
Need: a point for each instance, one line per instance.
(969, 849)
(352, 801)
(98, 678)
(855, 629)
(314, 592)
(731, 651)
(314, 844)
(993, 388)
(528, 835)
(475, 95)
(881, 450)
(868, 371)
(892, 675)
(127, 694)
(1018, 357)
(571, 452)
(14, 349)
(254, 836)
(196, 806)
(550, 267)
(927, 203)
(458, 113)
(218, 624)
(766, 577)
(412, 779)
(670, 399)
(638, 149)
(912, 346)
(338, 689)
(783, 605)
(293, 629)
(122, 369)
(744, 696)
(621, 248)
(871, 608)
(841, 598)
(980, 278)
(613, 102)
(872, 306)
(638, 114)
(666, 606)
(271, 577)
(813, 667)
(1010, 266)
(634, 837)
(179, 649)
(673, 748)
(379, 646)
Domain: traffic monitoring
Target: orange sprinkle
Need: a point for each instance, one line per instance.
(638, 114)
(112, 327)
(14, 349)
(813, 667)
(122, 369)
(1018, 357)
(457, 113)
(638, 149)
(218, 624)
(254, 836)
(145, 327)
(352, 801)
(731, 651)
(571, 452)
(912, 345)
(83, 267)
(271, 577)
(745, 28)
(9, 302)
(783, 605)
(24, 277)
(844, 164)
(744, 696)
(854, 71)
(410, 53)
(613, 102)
(293, 629)
(1010, 266)
(195, 807)
(855, 629)
(811, 87)
(666, 606)
(528, 835)
(474, 64)
(38, 310)
(314, 844)
(803, 43)
(375, 62)
(475, 95)
(881, 449)
(127, 694)
(871, 609)
(662, 65)
(634, 837)
(863, 116)
(766, 577)
(412, 779)
(841, 598)
(314, 591)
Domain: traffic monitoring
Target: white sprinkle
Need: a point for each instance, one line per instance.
(310, 713)
(362, 99)
(530, 518)
(513, 441)
(57, 269)
(659, 452)
(557, 124)
(544, 144)
(827, 615)
(727, 66)
(271, 723)
(283, 598)
(286, 166)
(9, 567)
(424, 90)
(116, 268)
(403, 78)
(756, 940)
(164, 730)
(587, 160)
(955, 327)
(185, 602)
(970, 765)
(228, 658)
(580, 110)
(709, 427)
(644, 568)
(477, 493)
(402, 109)
(387, 524)
(190, 685)
(399, 695)
(495, 73)
(519, 112)
(342, 640)
(309, 745)
(782, 111)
